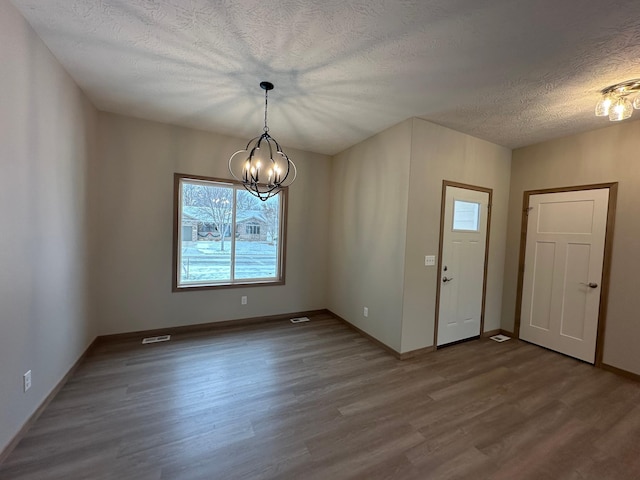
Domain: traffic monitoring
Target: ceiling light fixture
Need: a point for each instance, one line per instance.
(614, 102)
(263, 168)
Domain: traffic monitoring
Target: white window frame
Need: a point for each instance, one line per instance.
(180, 286)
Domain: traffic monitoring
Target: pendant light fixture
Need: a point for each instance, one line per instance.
(614, 102)
(262, 167)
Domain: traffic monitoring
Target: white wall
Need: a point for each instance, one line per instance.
(133, 224)
(369, 193)
(437, 154)
(606, 155)
(47, 130)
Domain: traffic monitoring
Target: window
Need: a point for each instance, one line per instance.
(466, 216)
(224, 236)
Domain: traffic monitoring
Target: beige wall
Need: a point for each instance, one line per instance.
(607, 155)
(47, 130)
(385, 217)
(369, 193)
(437, 154)
(134, 224)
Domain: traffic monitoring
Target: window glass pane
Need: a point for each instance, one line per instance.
(257, 242)
(466, 216)
(205, 243)
(226, 236)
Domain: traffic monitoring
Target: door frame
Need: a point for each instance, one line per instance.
(606, 262)
(445, 184)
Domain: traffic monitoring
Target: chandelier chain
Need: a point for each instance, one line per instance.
(266, 95)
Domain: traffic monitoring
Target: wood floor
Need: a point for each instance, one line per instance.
(318, 401)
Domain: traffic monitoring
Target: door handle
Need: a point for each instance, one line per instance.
(590, 284)
(446, 279)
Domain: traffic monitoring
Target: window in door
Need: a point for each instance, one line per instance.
(466, 216)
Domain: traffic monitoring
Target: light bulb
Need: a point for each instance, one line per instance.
(603, 106)
(621, 109)
(636, 102)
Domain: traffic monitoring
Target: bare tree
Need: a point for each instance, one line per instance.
(190, 194)
(270, 210)
(246, 201)
(219, 200)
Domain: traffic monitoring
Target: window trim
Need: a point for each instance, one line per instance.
(282, 238)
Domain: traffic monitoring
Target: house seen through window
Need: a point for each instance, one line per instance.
(225, 236)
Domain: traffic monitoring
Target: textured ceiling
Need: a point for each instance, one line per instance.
(513, 72)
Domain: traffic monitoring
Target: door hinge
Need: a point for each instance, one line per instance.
(527, 210)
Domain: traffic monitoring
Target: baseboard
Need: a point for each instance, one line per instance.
(199, 327)
(621, 372)
(34, 416)
(395, 353)
(604, 366)
(367, 336)
(416, 353)
(491, 333)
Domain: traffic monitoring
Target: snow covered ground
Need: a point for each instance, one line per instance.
(202, 261)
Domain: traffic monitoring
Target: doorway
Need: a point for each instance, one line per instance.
(462, 266)
(564, 269)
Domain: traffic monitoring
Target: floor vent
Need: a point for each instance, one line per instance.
(500, 338)
(300, 319)
(161, 338)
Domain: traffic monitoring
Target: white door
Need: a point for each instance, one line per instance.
(563, 271)
(464, 242)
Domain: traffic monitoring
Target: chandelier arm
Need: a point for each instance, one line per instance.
(277, 145)
(263, 194)
(270, 149)
(295, 171)
(286, 175)
(251, 141)
(622, 88)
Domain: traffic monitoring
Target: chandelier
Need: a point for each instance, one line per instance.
(614, 102)
(262, 167)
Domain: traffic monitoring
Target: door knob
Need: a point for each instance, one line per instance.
(590, 284)
(446, 279)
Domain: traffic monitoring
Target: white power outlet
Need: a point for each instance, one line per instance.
(365, 311)
(243, 300)
(26, 381)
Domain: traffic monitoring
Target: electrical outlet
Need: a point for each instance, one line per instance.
(243, 300)
(26, 381)
(365, 311)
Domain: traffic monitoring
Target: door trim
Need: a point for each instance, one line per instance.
(606, 262)
(445, 184)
